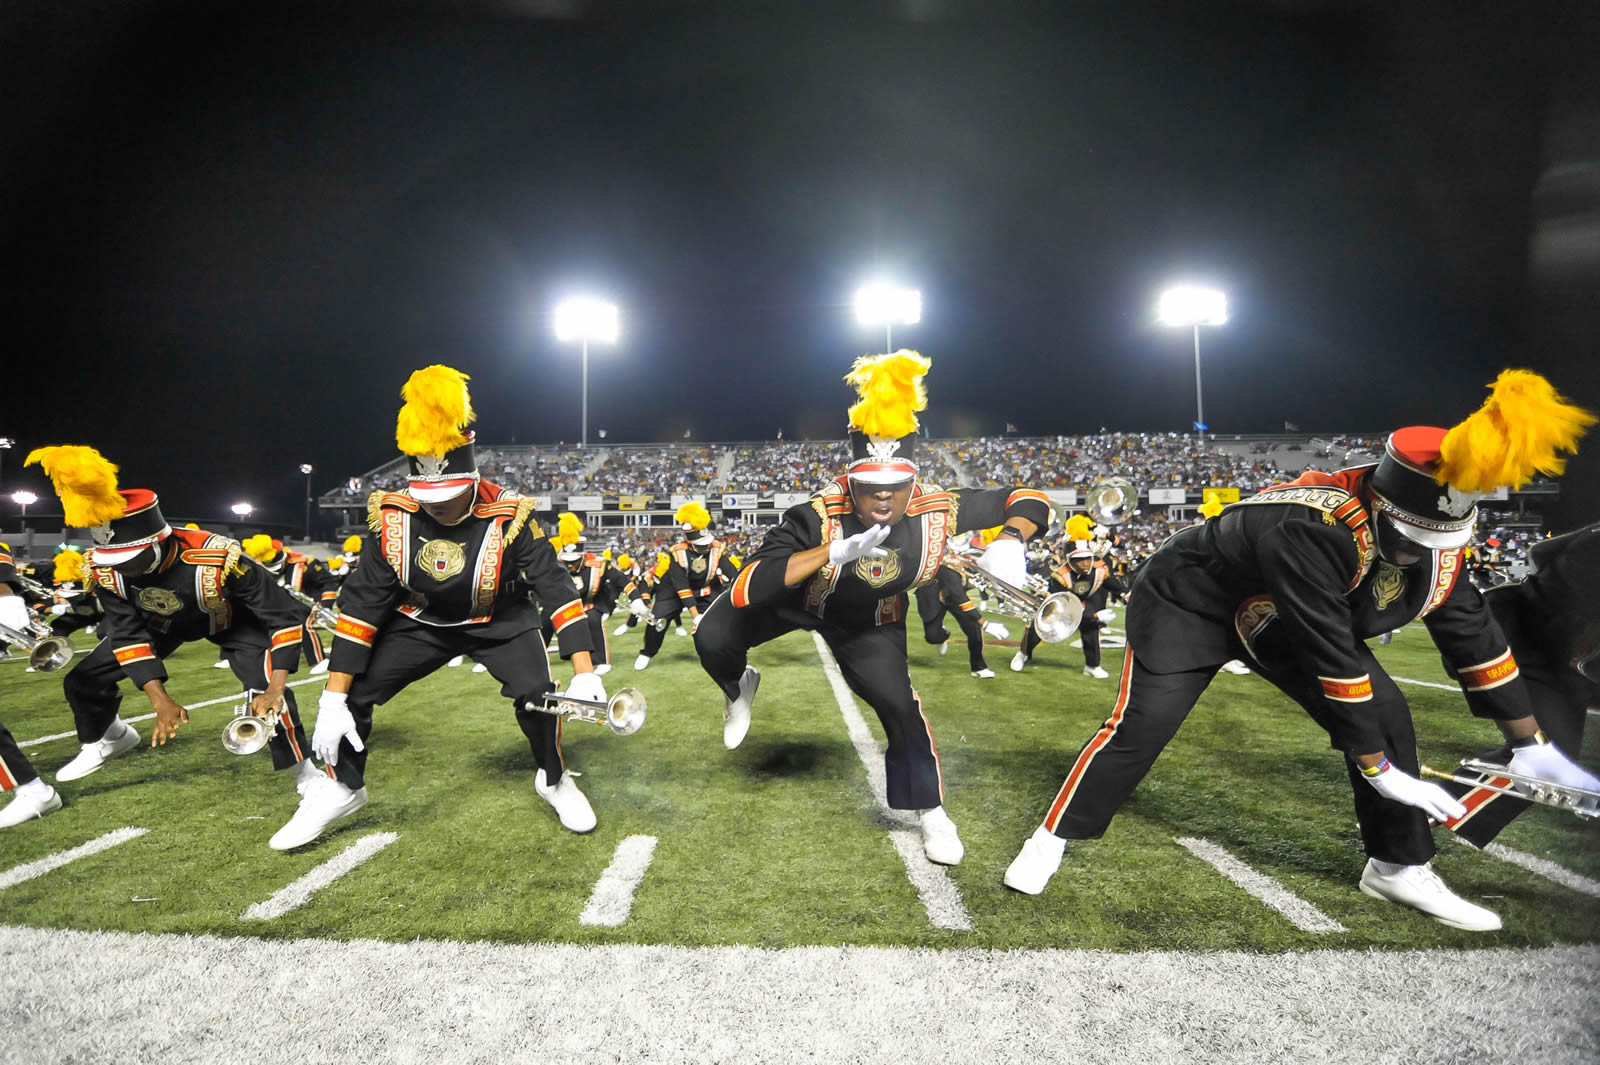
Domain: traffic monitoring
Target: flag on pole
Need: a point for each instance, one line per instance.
(1290, 427)
(602, 434)
(686, 433)
(780, 434)
(1010, 428)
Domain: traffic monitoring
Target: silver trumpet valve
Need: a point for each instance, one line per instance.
(623, 713)
(247, 733)
(1492, 777)
(1053, 617)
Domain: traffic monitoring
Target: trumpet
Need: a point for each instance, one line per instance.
(46, 653)
(623, 713)
(247, 733)
(1053, 617)
(1491, 777)
(322, 614)
(1112, 501)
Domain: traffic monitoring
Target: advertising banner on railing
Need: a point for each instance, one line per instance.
(586, 503)
(634, 502)
(679, 501)
(1063, 497)
(785, 500)
(1221, 495)
(543, 503)
(1167, 497)
(740, 501)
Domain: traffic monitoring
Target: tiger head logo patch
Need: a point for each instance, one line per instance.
(441, 559)
(1389, 585)
(877, 572)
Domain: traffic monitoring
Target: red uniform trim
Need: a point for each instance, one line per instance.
(134, 652)
(570, 614)
(1026, 493)
(1478, 798)
(741, 586)
(353, 628)
(1348, 689)
(1490, 674)
(285, 637)
(1124, 688)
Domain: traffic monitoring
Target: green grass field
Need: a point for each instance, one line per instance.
(779, 843)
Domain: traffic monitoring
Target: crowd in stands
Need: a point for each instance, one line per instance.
(785, 466)
(1150, 460)
(657, 471)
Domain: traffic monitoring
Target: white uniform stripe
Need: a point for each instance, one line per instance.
(939, 895)
(299, 893)
(29, 870)
(236, 698)
(613, 894)
(1547, 869)
(1299, 912)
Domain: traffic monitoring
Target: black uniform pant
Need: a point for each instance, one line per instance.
(873, 662)
(1088, 631)
(600, 646)
(1149, 709)
(405, 651)
(15, 769)
(91, 687)
(667, 613)
(70, 622)
(932, 606)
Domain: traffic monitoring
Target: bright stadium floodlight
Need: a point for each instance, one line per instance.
(24, 499)
(888, 305)
(1192, 306)
(585, 320)
(308, 469)
(244, 510)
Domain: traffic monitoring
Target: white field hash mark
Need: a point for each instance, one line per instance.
(613, 894)
(238, 698)
(28, 871)
(1547, 869)
(939, 895)
(299, 893)
(1299, 912)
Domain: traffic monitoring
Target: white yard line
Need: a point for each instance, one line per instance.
(939, 895)
(299, 893)
(234, 698)
(1547, 869)
(1298, 911)
(613, 894)
(1426, 684)
(29, 870)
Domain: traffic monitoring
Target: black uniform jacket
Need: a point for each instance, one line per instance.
(203, 586)
(1092, 588)
(872, 591)
(1294, 573)
(695, 573)
(477, 572)
(601, 585)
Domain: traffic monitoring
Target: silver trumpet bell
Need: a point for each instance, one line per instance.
(623, 713)
(1492, 777)
(246, 733)
(46, 653)
(1112, 501)
(1053, 617)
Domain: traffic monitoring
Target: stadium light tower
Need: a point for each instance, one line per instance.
(244, 510)
(306, 468)
(24, 499)
(585, 320)
(1193, 307)
(884, 304)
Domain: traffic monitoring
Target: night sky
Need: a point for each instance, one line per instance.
(230, 231)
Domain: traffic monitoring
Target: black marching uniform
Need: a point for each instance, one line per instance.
(1094, 589)
(858, 608)
(694, 576)
(204, 588)
(429, 592)
(15, 769)
(83, 609)
(1291, 579)
(600, 587)
(947, 594)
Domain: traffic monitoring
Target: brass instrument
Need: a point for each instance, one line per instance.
(1053, 617)
(46, 653)
(1487, 775)
(247, 733)
(623, 713)
(1112, 501)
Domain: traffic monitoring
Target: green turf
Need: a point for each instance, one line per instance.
(779, 843)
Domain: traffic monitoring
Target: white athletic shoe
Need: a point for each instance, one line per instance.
(33, 799)
(642, 662)
(571, 805)
(305, 772)
(682, 631)
(221, 663)
(94, 755)
(984, 673)
(1236, 667)
(939, 840)
(944, 648)
(456, 661)
(620, 630)
(602, 669)
(321, 667)
(1419, 887)
(736, 715)
(324, 802)
(1097, 672)
(1036, 862)
(1018, 660)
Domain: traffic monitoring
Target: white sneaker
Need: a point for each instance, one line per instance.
(642, 662)
(305, 772)
(1096, 672)
(1419, 887)
(682, 631)
(571, 805)
(1018, 660)
(1036, 862)
(736, 716)
(1236, 667)
(479, 667)
(324, 802)
(456, 661)
(94, 755)
(321, 667)
(221, 663)
(944, 648)
(984, 673)
(33, 799)
(939, 840)
(620, 630)
(602, 669)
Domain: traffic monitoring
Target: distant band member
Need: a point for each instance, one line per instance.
(1091, 581)
(600, 586)
(34, 797)
(947, 594)
(699, 566)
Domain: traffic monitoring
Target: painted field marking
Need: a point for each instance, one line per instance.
(1547, 869)
(188, 706)
(1427, 684)
(613, 893)
(299, 893)
(29, 870)
(939, 895)
(1298, 911)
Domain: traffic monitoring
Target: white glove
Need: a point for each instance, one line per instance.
(334, 723)
(1106, 616)
(694, 622)
(639, 609)
(1431, 799)
(60, 608)
(997, 630)
(862, 543)
(14, 613)
(1546, 762)
(1007, 560)
(587, 686)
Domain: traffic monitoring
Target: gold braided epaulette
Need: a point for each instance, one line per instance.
(380, 499)
(524, 512)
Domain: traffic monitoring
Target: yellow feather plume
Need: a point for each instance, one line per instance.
(1210, 508)
(258, 547)
(695, 515)
(891, 391)
(436, 410)
(663, 563)
(69, 566)
(1518, 432)
(624, 562)
(191, 525)
(352, 545)
(336, 561)
(1079, 527)
(86, 482)
(569, 527)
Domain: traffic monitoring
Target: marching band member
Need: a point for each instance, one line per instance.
(841, 564)
(448, 563)
(698, 565)
(633, 591)
(76, 606)
(161, 588)
(1090, 579)
(947, 594)
(34, 797)
(600, 586)
(1297, 577)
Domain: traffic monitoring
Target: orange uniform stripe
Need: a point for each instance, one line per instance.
(1101, 738)
(8, 779)
(1478, 798)
(1026, 493)
(1490, 674)
(1347, 689)
(353, 628)
(570, 614)
(138, 652)
(741, 586)
(284, 637)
